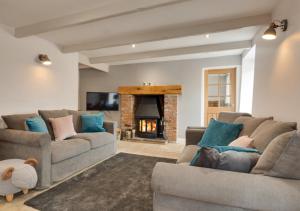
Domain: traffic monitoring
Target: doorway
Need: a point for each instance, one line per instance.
(219, 92)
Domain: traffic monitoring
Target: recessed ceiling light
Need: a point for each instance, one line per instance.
(207, 36)
(133, 45)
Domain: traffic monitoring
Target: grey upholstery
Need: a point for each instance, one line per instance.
(57, 160)
(230, 116)
(47, 114)
(25, 144)
(188, 154)
(65, 149)
(17, 121)
(68, 167)
(96, 139)
(224, 188)
(193, 135)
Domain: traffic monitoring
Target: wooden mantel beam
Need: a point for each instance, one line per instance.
(150, 90)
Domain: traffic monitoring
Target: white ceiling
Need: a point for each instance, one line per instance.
(222, 37)
(184, 57)
(16, 13)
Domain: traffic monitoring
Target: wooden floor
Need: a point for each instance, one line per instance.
(170, 150)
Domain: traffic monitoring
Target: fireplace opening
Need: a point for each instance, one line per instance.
(149, 116)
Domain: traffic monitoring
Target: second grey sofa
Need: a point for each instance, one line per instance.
(184, 187)
(57, 159)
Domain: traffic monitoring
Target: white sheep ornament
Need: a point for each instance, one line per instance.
(17, 175)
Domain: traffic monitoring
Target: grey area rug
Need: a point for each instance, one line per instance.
(119, 183)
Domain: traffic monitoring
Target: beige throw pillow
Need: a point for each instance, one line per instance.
(272, 153)
(243, 141)
(288, 164)
(268, 130)
(63, 127)
(250, 124)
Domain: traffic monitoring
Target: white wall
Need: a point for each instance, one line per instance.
(247, 81)
(25, 85)
(187, 73)
(277, 68)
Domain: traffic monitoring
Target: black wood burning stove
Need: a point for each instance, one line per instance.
(149, 116)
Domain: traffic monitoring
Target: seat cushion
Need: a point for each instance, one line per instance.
(65, 149)
(17, 121)
(250, 124)
(97, 139)
(47, 114)
(268, 130)
(188, 153)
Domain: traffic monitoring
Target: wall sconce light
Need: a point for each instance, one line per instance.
(270, 33)
(44, 59)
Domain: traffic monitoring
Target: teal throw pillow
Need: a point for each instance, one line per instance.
(92, 123)
(36, 124)
(220, 133)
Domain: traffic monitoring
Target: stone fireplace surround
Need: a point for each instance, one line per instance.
(128, 103)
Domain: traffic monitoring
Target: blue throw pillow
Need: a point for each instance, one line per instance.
(92, 123)
(36, 124)
(220, 133)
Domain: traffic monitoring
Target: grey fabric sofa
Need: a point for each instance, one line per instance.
(57, 159)
(183, 187)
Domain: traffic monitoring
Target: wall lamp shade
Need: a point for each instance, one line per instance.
(270, 33)
(44, 59)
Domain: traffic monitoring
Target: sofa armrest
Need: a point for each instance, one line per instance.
(23, 145)
(24, 137)
(193, 135)
(110, 126)
(247, 191)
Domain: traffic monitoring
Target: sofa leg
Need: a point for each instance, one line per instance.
(25, 191)
(9, 197)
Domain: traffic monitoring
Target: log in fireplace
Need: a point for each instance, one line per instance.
(149, 116)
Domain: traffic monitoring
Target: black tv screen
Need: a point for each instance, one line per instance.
(102, 101)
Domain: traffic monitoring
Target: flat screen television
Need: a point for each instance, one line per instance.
(102, 101)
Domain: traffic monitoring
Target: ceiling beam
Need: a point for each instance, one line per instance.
(171, 32)
(173, 52)
(105, 12)
(84, 60)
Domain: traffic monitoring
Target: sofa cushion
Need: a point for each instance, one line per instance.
(91, 123)
(97, 139)
(230, 116)
(63, 127)
(268, 130)
(187, 154)
(46, 114)
(17, 121)
(272, 153)
(36, 124)
(77, 119)
(288, 164)
(65, 149)
(220, 133)
(250, 124)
